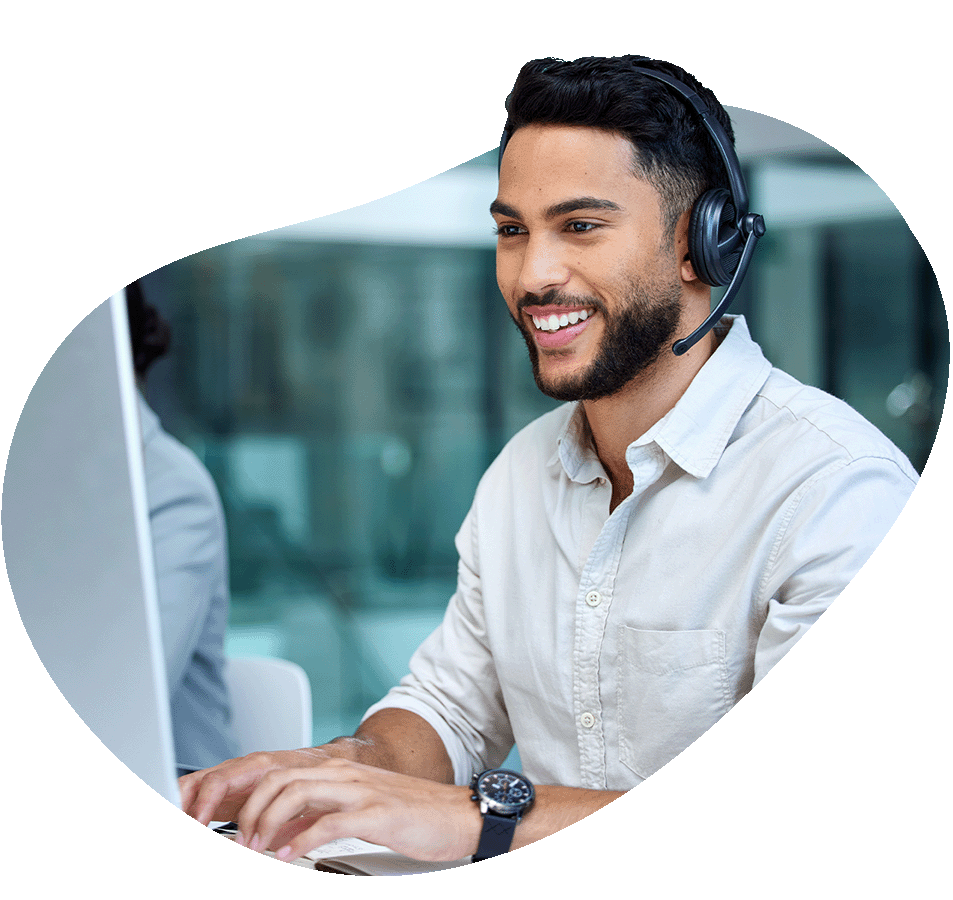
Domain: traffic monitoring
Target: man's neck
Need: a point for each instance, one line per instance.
(615, 422)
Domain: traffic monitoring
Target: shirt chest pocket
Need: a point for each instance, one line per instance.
(672, 687)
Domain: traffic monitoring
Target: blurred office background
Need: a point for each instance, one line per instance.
(347, 380)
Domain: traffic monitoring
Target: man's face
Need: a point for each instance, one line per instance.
(580, 260)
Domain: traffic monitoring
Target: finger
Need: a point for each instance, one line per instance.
(274, 806)
(266, 791)
(268, 786)
(223, 788)
(188, 787)
(284, 799)
(207, 800)
(290, 830)
(329, 771)
(328, 827)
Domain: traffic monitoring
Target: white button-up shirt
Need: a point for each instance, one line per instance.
(605, 644)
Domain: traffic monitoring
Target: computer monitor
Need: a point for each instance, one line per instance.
(78, 548)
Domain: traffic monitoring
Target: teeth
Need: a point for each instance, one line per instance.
(554, 322)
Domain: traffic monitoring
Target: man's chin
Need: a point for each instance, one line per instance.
(562, 387)
(596, 382)
(555, 374)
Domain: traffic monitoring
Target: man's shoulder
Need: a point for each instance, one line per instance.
(811, 416)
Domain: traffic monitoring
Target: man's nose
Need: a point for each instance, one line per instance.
(542, 267)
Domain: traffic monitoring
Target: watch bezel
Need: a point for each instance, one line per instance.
(504, 809)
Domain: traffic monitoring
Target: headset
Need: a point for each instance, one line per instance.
(722, 234)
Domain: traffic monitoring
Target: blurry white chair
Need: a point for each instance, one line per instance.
(271, 703)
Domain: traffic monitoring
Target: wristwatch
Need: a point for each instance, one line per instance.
(504, 796)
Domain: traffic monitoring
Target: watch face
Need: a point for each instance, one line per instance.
(505, 791)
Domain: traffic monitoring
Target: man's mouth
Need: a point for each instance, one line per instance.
(554, 321)
(555, 326)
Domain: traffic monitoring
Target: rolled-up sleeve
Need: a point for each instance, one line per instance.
(453, 684)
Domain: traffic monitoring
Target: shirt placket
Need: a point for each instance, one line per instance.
(593, 603)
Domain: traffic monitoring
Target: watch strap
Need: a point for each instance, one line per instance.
(496, 837)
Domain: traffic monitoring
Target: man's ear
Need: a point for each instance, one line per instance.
(686, 269)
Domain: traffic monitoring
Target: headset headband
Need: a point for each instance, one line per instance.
(726, 150)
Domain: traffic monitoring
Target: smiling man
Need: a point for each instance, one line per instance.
(635, 561)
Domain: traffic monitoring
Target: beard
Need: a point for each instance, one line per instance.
(633, 339)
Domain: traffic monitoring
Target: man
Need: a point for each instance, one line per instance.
(633, 562)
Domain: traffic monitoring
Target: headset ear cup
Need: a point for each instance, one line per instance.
(712, 222)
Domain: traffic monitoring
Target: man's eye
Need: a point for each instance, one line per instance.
(581, 227)
(507, 230)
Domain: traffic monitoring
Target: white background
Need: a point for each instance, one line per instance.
(136, 134)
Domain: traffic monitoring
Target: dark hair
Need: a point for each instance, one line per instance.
(672, 149)
(149, 333)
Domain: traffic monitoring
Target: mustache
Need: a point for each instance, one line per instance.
(557, 298)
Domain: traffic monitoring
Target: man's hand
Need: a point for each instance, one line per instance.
(390, 739)
(218, 794)
(294, 810)
(390, 784)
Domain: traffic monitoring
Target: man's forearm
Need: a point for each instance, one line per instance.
(399, 741)
(557, 807)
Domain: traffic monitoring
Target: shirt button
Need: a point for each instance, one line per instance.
(593, 598)
(587, 719)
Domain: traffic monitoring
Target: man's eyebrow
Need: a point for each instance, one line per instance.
(568, 206)
(498, 207)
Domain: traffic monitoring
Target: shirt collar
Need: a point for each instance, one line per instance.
(695, 432)
(574, 448)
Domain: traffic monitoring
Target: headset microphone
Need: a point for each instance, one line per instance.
(722, 234)
(753, 228)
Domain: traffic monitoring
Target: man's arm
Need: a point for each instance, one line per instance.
(835, 523)
(391, 739)
(294, 811)
(390, 783)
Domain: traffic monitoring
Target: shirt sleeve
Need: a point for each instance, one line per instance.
(453, 683)
(832, 526)
(188, 533)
